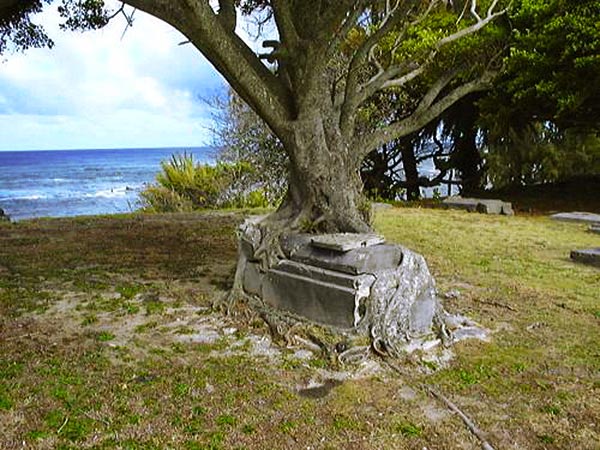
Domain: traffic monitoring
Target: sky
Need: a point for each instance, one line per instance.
(103, 89)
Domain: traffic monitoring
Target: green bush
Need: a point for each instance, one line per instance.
(157, 198)
(184, 185)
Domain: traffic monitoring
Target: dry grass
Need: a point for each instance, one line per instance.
(107, 341)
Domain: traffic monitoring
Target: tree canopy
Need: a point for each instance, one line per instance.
(553, 70)
(318, 85)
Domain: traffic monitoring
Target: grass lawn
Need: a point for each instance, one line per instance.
(107, 340)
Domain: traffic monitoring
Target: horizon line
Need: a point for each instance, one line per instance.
(107, 148)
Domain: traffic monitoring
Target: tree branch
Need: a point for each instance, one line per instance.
(396, 75)
(227, 14)
(259, 87)
(424, 113)
(285, 24)
(347, 24)
(435, 90)
(361, 56)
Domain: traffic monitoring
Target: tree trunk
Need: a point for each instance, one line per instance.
(411, 171)
(324, 185)
(466, 157)
(468, 162)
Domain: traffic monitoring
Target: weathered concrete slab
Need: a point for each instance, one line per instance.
(324, 296)
(361, 260)
(577, 216)
(589, 256)
(343, 242)
(482, 205)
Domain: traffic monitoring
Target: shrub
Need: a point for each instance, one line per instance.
(184, 185)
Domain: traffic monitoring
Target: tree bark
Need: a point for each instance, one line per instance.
(324, 185)
(466, 156)
(411, 171)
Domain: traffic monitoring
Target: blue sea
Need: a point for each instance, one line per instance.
(60, 183)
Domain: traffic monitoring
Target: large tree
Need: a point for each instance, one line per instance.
(330, 60)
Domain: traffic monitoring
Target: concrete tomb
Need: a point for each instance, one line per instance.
(482, 205)
(349, 281)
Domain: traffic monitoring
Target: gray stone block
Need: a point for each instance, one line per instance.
(362, 260)
(323, 296)
(344, 242)
(299, 248)
(589, 256)
(577, 216)
(384, 291)
(252, 280)
(317, 273)
(482, 205)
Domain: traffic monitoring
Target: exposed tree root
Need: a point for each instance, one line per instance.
(229, 300)
(498, 304)
(269, 251)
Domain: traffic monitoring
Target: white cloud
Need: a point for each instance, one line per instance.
(97, 90)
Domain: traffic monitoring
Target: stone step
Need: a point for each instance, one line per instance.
(354, 262)
(482, 205)
(577, 216)
(344, 242)
(589, 256)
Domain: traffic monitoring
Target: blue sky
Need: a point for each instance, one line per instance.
(96, 90)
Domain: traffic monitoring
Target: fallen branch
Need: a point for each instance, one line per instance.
(97, 419)
(485, 445)
(27, 335)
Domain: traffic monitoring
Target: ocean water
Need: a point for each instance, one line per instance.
(80, 182)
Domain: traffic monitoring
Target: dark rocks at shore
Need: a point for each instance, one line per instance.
(3, 216)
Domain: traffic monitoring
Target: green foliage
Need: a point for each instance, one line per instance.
(553, 70)
(105, 336)
(540, 153)
(185, 185)
(408, 429)
(17, 31)
(83, 15)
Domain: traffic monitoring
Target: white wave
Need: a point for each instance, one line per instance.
(60, 180)
(115, 192)
(30, 197)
